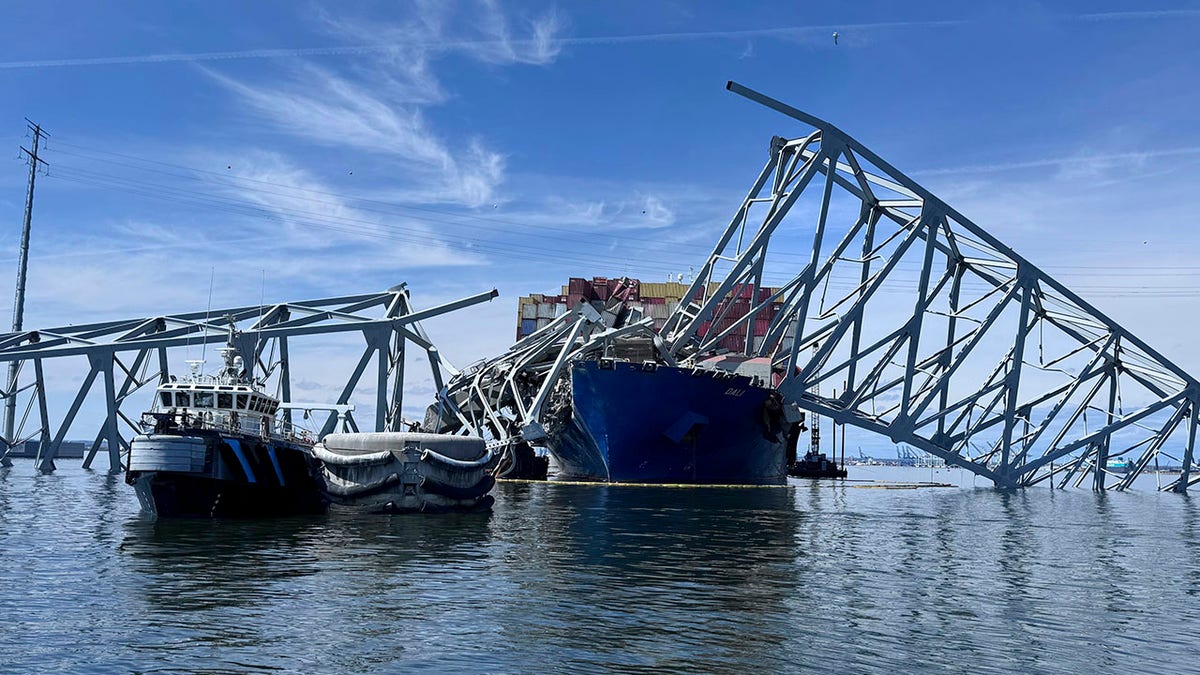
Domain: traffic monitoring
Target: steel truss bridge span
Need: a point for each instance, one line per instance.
(927, 328)
(131, 354)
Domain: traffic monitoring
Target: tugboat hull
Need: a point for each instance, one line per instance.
(212, 475)
(639, 424)
(168, 495)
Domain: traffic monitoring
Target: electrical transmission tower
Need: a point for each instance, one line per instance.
(14, 368)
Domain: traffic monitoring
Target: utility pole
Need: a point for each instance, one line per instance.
(10, 403)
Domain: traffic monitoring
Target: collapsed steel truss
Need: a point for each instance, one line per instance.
(131, 354)
(932, 331)
(505, 398)
(925, 328)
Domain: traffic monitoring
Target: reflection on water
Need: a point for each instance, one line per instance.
(812, 577)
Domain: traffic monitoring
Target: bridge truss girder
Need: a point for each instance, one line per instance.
(506, 399)
(129, 355)
(934, 332)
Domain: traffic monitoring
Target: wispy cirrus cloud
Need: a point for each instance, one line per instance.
(378, 107)
(495, 37)
(1068, 163)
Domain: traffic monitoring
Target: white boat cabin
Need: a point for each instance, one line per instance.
(224, 401)
(225, 398)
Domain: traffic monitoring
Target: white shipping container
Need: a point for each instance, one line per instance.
(529, 311)
(542, 323)
(545, 310)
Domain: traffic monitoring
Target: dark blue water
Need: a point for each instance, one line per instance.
(587, 579)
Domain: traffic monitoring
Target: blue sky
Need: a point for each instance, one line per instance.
(458, 146)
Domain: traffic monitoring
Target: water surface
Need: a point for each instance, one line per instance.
(815, 577)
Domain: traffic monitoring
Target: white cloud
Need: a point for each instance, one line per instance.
(378, 106)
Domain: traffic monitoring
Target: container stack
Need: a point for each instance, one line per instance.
(655, 300)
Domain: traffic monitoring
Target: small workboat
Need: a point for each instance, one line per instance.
(816, 464)
(397, 472)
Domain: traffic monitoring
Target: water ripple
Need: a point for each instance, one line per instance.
(563, 578)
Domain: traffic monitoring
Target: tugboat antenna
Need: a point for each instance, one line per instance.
(212, 273)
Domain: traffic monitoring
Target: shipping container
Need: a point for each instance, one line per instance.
(542, 323)
(528, 326)
(658, 300)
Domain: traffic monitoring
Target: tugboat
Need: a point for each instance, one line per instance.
(212, 448)
(816, 465)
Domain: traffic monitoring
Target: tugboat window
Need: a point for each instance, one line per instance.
(241, 400)
(166, 399)
(181, 399)
(225, 401)
(204, 399)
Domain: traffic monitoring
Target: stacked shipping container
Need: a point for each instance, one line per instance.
(655, 300)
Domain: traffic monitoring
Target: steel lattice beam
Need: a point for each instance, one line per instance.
(936, 333)
(387, 321)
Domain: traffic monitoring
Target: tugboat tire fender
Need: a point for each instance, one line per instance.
(362, 490)
(321, 453)
(479, 489)
(483, 461)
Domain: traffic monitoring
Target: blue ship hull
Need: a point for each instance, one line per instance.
(667, 425)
